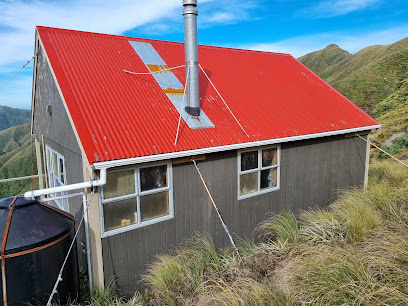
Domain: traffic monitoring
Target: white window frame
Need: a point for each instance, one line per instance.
(137, 194)
(258, 170)
(54, 181)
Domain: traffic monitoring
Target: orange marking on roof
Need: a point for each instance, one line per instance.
(158, 68)
(171, 90)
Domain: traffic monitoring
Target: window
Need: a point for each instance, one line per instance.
(258, 171)
(56, 176)
(135, 197)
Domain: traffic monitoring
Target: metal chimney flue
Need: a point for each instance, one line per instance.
(190, 14)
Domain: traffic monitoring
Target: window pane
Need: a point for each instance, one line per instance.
(153, 177)
(54, 164)
(61, 162)
(119, 214)
(269, 178)
(154, 205)
(248, 183)
(249, 160)
(48, 160)
(269, 157)
(119, 183)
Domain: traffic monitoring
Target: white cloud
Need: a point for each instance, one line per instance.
(226, 12)
(302, 45)
(326, 9)
(222, 17)
(18, 20)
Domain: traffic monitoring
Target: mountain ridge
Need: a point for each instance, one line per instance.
(10, 117)
(375, 79)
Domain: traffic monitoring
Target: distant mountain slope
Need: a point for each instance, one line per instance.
(320, 61)
(13, 116)
(14, 137)
(376, 79)
(335, 70)
(16, 158)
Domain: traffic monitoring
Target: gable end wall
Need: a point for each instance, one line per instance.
(55, 130)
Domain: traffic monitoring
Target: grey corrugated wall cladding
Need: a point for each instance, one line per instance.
(312, 171)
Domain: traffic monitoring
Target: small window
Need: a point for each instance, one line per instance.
(56, 176)
(136, 197)
(258, 171)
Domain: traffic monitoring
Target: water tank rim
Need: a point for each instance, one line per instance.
(39, 245)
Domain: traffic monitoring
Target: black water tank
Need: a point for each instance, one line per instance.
(38, 239)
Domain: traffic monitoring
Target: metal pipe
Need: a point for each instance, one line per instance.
(36, 193)
(79, 194)
(88, 243)
(190, 14)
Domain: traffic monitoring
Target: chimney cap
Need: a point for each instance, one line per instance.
(190, 2)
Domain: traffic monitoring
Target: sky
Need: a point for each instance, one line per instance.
(288, 26)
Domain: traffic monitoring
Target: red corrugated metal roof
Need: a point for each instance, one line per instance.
(118, 115)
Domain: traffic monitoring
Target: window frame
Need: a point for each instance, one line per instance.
(50, 171)
(137, 195)
(259, 170)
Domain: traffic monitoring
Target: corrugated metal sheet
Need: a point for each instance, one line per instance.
(170, 84)
(311, 172)
(118, 115)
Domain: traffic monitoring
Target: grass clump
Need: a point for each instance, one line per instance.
(109, 296)
(356, 211)
(387, 173)
(354, 252)
(324, 231)
(328, 275)
(282, 227)
(176, 279)
(243, 292)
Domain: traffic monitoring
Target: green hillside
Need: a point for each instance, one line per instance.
(320, 61)
(376, 79)
(13, 116)
(16, 158)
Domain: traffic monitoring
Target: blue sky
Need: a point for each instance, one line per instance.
(289, 26)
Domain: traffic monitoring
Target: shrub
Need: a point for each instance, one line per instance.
(395, 148)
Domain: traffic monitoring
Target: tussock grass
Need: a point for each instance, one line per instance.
(336, 275)
(389, 173)
(109, 296)
(354, 252)
(282, 227)
(357, 212)
(324, 231)
(177, 279)
(243, 292)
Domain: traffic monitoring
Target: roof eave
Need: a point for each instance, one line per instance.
(172, 155)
